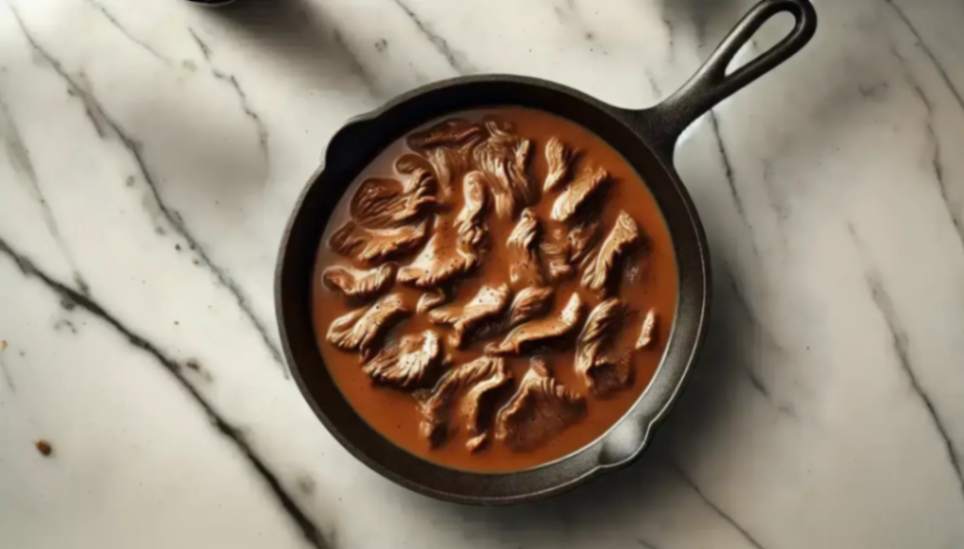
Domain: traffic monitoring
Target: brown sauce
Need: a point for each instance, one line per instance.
(404, 224)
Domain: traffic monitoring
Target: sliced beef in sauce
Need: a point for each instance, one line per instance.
(540, 409)
(524, 267)
(430, 300)
(444, 258)
(599, 270)
(578, 193)
(541, 330)
(559, 158)
(486, 305)
(451, 235)
(360, 330)
(479, 405)
(602, 372)
(530, 303)
(358, 283)
(470, 221)
(436, 406)
(384, 203)
(569, 248)
(453, 132)
(410, 164)
(377, 245)
(647, 331)
(409, 363)
(503, 158)
(447, 147)
(609, 373)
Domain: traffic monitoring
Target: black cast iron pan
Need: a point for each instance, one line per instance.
(646, 138)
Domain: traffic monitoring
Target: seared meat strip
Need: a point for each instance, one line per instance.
(408, 363)
(487, 304)
(435, 407)
(540, 409)
(377, 245)
(524, 267)
(577, 193)
(357, 283)
(599, 270)
(359, 330)
(543, 329)
(559, 158)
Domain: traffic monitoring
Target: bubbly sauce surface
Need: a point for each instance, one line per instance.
(531, 399)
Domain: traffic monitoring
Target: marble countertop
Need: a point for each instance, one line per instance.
(153, 150)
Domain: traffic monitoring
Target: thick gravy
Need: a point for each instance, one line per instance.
(495, 289)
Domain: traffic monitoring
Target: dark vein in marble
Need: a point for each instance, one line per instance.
(928, 52)
(368, 80)
(900, 344)
(64, 324)
(716, 508)
(173, 217)
(937, 164)
(730, 178)
(7, 378)
(123, 30)
(440, 43)
(754, 322)
(232, 81)
(230, 432)
(568, 14)
(91, 108)
(653, 84)
(727, 166)
(779, 206)
(23, 165)
(671, 36)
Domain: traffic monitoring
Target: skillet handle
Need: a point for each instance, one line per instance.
(711, 84)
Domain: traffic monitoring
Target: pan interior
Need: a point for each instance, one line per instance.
(349, 152)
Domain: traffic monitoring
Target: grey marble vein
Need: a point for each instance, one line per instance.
(780, 207)
(653, 84)
(671, 36)
(7, 378)
(928, 52)
(730, 179)
(232, 81)
(743, 306)
(900, 344)
(727, 166)
(454, 59)
(569, 15)
(123, 30)
(92, 108)
(64, 324)
(716, 508)
(937, 165)
(102, 123)
(87, 303)
(369, 81)
(22, 164)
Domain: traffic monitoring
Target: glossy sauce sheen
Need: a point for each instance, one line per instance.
(394, 414)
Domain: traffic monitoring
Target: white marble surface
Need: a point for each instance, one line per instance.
(152, 151)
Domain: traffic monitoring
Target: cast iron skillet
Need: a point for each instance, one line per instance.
(646, 138)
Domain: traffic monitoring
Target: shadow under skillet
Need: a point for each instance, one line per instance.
(299, 35)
